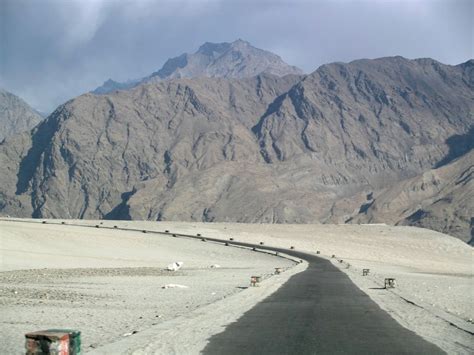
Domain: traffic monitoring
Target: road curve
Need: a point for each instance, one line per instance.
(318, 311)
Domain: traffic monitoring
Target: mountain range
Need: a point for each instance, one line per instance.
(387, 140)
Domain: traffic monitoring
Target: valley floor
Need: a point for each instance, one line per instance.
(109, 283)
(110, 280)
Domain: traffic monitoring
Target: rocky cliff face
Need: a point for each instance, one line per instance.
(262, 149)
(238, 59)
(15, 115)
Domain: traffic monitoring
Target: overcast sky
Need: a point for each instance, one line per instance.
(53, 50)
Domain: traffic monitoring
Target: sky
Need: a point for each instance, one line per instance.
(54, 50)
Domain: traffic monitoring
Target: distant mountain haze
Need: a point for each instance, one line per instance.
(383, 140)
(238, 59)
(15, 115)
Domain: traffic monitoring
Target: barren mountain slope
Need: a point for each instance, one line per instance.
(390, 111)
(93, 150)
(15, 115)
(439, 199)
(262, 149)
(238, 59)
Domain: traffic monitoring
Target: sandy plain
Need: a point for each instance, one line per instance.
(119, 275)
(108, 283)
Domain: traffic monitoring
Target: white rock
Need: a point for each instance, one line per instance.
(174, 286)
(131, 333)
(175, 266)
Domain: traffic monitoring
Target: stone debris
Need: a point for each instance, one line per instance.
(131, 333)
(175, 266)
(174, 286)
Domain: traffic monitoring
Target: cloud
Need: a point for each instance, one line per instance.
(53, 50)
(81, 20)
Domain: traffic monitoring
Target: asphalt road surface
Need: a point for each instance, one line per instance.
(318, 311)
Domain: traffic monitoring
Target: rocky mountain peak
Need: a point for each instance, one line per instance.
(213, 49)
(15, 115)
(469, 63)
(238, 59)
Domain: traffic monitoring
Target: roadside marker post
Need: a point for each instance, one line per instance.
(53, 341)
(390, 282)
(255, 280)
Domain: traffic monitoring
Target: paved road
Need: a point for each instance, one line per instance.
(318, 311)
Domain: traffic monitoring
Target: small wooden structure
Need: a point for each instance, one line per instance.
(365, 272)
(255, 280)
(278, 270)
(389, 282)
(53, 341)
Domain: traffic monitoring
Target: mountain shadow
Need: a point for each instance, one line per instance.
(459, 144)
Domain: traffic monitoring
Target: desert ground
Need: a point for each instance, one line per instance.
(108, 283)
